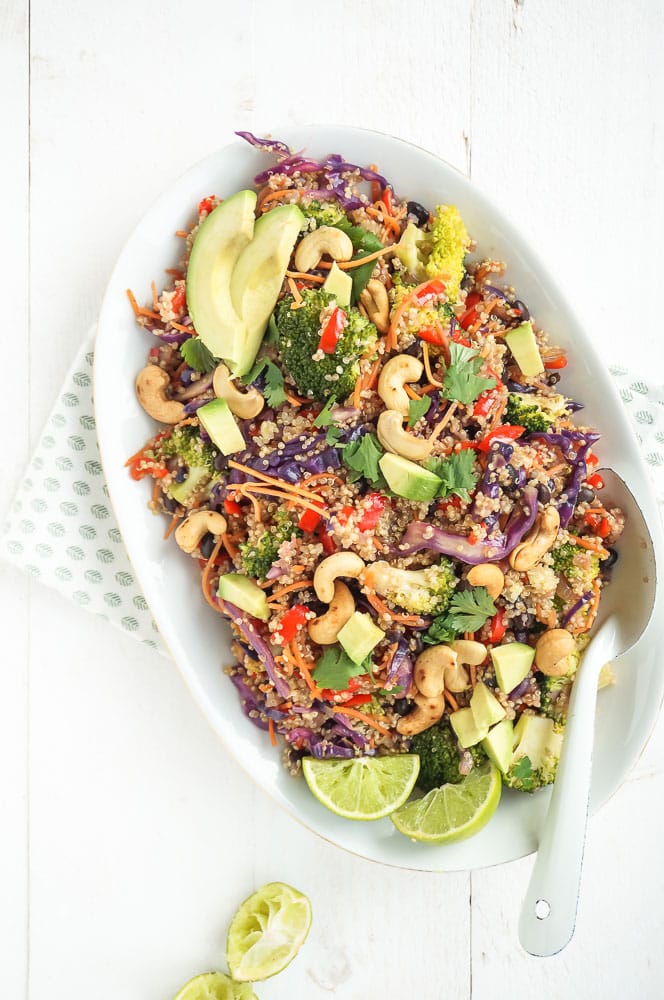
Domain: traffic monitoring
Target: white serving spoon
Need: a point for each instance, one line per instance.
(548, 914)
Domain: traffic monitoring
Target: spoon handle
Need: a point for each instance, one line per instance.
(549, 909)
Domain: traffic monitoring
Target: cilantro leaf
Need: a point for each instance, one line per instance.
(274, 392)
(325, 418)
(333, 435)
(461, 381)
(272, 335)
(438, 632)
(364, 243)
(362, 457)
(523, 776)
(417, 408)
(197, 355)
(456, 472)
(335, 669)
(469, 609)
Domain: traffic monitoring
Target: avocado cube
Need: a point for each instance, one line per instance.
(498, 744)
(485, 707)
(360, 636)
(408, 479)
(339, 284)
(523, 345)
(221, 425)
(512, 662)
(467, 731)
(245, 594)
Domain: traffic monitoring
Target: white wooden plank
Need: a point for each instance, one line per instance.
(14, 61)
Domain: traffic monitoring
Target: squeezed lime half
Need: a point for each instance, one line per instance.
(267, 932)
(215, 986)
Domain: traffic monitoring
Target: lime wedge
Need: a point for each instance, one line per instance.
(215, 986)
(267, 932)
(452, 812)
(364, 787)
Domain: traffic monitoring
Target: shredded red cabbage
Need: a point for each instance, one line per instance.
(400, 670)
(269, 145)
(248, 631)
(577, 607)
(421, 535)
(575, 446)
(250, 701)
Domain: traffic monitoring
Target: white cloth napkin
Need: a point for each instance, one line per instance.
(60, 527)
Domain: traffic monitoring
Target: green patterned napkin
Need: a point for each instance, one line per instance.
(61, 529)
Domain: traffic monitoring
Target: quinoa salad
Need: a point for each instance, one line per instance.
(385, 489)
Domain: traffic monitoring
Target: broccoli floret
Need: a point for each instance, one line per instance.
(527, 414)
(257, 558)
(315, 374)
(324, 213)
(554, 696)
(439, 754)
(577, 564)
(420, 591)
(449, 245)
(195, 456)
(536, 754)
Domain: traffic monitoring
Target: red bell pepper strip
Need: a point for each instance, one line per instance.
(291, 623)
(375, 507)
(344, 514)
(431, 290)
(326, 540)
(143, 466)
(498, 627)
(484, 404)
(508, 431)
(595, 481)
(470, 315)
(309, 520)
(178, 300)
(232, 507)
(559, 362)
(387, 200)
(432, 335)
(332, 331)
(357, 699)
(207, 205)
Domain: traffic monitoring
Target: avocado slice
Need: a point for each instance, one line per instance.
(339, 284)
(523, 345)
(512, 662)
(359, 636)
(258, 276)
(535, 737)
(217, 246)
(408, 479)
(498, 744)
(245, 594)
(485, 707)
(467, 731)
(220, 424)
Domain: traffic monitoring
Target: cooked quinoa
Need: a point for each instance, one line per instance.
(303, 488)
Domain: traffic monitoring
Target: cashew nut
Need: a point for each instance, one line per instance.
(340, 564)
(429, 711)
(394, 375)
(325, 240)
(193, 529)
(468, 653)
(552, 652)
(243, 404)
(394, 438)
(431, 669)
(489, 576)
(537, 542)
(377, 304)
(151, 384)
(324, 630)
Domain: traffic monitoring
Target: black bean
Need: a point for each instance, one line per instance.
(180, 475)
(611, 561)
(553, 378)
(169, 503)
(586, 495)
(472, 430)
(520, 636)
(543, 493)
(420, 213)
(207, 545)
(523, 621)
(523, 309)
(220, 463)
(403, 706)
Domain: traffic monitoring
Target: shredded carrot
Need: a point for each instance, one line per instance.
(264, 199)
(295, 400)
(137, 309)
(248, 488)
(258, 514)
(175, 272)
(367, 719)
(348, 265)
(427, 366)
(229, 546)
(557, 468)
(295, 292)
(388, 221)
(155, 296)
(497, 415)
(387, 656)
(381, 607)
(169, 530)
(316, 279)
(406, 303)
(206, 576)
(182, 233)
(440, 426)
(304, 668)
(279, 483)
(273, 738)
(182, 329)
(410, 392)
(454, 705)
(592, 612)
(377, 544)
(298, 585)
(373, 374)
(587, 543)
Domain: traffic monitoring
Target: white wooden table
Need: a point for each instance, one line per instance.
(127, 835)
